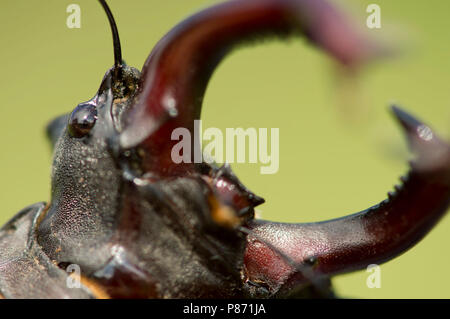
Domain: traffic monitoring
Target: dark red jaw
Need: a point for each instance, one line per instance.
(372, 236)
(176, 74)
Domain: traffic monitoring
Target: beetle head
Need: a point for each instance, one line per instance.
(144, 225)
(112, 216)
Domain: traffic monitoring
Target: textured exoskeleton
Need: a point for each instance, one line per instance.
(137, 224)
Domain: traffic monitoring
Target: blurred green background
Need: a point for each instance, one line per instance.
(340, 150)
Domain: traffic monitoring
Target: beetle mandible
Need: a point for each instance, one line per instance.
(123, 211)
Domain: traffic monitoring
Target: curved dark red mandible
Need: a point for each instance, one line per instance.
(176, 73)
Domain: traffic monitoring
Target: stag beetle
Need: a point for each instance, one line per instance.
(140, 225)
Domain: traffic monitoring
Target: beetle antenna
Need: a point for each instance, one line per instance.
(116, 40)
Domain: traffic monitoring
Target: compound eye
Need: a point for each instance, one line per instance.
(82, 120)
